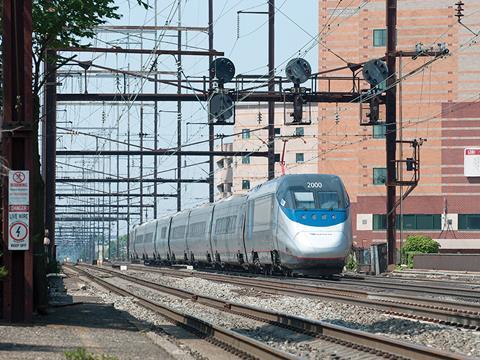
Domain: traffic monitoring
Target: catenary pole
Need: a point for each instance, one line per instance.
(271, 88)
(391, 128)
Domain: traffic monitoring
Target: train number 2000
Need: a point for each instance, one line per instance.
(314, 185)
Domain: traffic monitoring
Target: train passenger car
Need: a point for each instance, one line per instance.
(227, 231)
(149, 230)
(177, 238)
(198, 235)
(162, 251)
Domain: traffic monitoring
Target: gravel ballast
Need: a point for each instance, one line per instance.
(437, 336)
(280, 338)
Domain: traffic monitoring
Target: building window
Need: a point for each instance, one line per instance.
(245, 184)
(379, 176)
(299, 158)
(299, 131)
(246, 159)
(379, 222)
(379, 37)
(277, 131)
(379, 131)
(245, 133)
(411, 222)
(468, 221)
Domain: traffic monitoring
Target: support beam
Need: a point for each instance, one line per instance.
(17, 149)
(117, 50)
(391, 129)
(87, 206)
(113, 195)
(211, 131)
(159, 152)
(98, 218)
(132, 180)
(147, 28)
(271, 89)
(323, 97)
(50, 139)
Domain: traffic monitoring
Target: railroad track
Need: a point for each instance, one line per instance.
(447, 312)
(359, 344)
(237, 344)
(433, 288)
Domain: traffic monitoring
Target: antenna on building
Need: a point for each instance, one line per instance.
(447, 222)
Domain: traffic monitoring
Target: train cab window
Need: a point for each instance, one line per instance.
(328, 200)
(304, 200)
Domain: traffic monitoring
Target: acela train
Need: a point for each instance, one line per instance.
(292, 224)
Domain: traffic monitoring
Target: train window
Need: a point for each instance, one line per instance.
(328, 199)
(164, 232)
(178, 232)
(225, 225)
(263, 211)
(197, 228)
(148, 238)
(304, 200)
(139, 239)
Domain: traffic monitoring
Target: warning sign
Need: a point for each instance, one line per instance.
(18, 210)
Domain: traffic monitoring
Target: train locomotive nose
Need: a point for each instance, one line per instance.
(328, 244)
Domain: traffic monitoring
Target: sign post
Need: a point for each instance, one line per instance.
(18, 210)
(18, 147)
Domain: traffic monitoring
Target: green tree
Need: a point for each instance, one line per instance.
(123, 247)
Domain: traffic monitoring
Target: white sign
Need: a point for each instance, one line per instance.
(18, 210)
(471, 162)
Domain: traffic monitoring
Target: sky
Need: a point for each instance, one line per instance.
(243, 38)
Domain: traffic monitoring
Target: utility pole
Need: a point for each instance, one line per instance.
(179, 107)
(50, 138)
(211, 134)
(271, 89)
(391, 128)
(17, 147)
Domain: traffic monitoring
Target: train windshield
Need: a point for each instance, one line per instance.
(313, 196)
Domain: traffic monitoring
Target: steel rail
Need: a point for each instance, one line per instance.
(243, 344)
(369, 343)
(407, 285)
(416, 308)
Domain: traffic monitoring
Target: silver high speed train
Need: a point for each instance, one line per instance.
(293, 224)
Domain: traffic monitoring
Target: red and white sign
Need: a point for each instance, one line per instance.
(18, 210)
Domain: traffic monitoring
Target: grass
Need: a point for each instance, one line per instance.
(82, 354)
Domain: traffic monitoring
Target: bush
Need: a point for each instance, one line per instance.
(418, 244)
(351, 263)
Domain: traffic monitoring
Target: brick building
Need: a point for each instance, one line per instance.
(239, 174)
(440, 104)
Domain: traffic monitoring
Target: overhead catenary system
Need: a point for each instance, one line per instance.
(267, 88)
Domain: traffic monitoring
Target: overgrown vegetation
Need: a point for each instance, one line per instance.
(351, 263)
(418, 244)
(82, 354)
(123, 247)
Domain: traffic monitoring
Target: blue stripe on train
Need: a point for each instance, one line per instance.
(319, 218)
